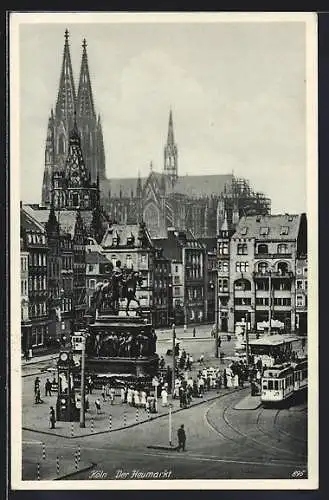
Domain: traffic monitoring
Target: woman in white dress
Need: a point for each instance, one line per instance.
(236, 380)
(143, 399)
(122, 393)
(137, 399)
(229, 377)
(129, 396)
(164, 397)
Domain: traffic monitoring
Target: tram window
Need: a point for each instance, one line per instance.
(264, 384)
(270, 384)
(283, 384)
(276, 385)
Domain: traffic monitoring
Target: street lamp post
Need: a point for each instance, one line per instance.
(82, 404)
(270, 302)
(173, 359)
(247, 338)
(216, 315)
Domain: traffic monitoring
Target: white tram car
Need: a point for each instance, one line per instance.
(281, 382)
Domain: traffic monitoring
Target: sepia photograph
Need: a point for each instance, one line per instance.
(163, 250)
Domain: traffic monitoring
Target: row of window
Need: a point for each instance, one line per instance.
(67, 262)
(262, 267)
(66, 305)
(37, 310)
(36, 238)
(37, 283)
(38, 334)
(242, 248)
(195, 273)
(278, 301)
(37, 259)
(195, 293)
(301, 284)
(24, 263)
(24, 290)
(301, 301)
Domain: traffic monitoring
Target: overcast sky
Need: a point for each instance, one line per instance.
(237, 91)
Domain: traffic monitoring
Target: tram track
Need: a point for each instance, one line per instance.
(256, 444)
(285, 433)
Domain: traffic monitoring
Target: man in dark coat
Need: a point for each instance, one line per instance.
(181, 438)
(52, 418)
(48, 387)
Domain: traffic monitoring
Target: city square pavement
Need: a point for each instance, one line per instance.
(114, 416)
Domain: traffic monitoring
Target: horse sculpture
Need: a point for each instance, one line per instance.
(119, 286)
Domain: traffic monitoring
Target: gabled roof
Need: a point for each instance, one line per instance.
(30, 223)
(96, 258)
(66, 218)
(124, 231)
(269, 227)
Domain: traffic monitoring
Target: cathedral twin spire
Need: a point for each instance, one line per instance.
(71, 106)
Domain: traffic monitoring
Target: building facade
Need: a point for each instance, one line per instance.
(301, 295)
(34, 243)
(132, 245)
(67, 283)
(99, 269)
(73, 106)
(162, 289)
(263, 256)
(25, 320)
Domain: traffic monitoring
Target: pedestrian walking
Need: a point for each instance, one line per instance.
(194, 332)
(52, 418)
(36, 385)
(38, 396)
(48, 388)
(112, 395)
(143, 399)
(201, 359)
(236, 380)
(164, 397)
(123, 395)
(103, 393)
(181, 435)
(98, 406)
(162, 363)
(225, 379)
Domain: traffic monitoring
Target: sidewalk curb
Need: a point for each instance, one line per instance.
(29, 363)
(160, 447)
(136, 423)
(84, 469)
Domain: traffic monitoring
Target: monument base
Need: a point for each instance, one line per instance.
(138, 367)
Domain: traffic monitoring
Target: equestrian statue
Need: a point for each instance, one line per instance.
(122, 284)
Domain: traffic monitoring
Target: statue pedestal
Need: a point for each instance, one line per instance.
(121, 326)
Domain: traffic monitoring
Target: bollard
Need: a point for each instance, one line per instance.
(79, 453)
(38, 472)
(43, 451)
(57, 465)
(110, 422)
(92, 425)
(72, 429)
(124, 419)
(137, 416)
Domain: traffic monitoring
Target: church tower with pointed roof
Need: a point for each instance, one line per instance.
(73, 106)
(171, 154)
(73, 188)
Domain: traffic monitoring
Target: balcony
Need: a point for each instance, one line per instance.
(273, 256)
(273, 274)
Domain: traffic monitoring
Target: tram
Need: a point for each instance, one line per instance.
(281, 382)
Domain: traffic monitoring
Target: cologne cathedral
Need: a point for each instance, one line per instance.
(198, 203)
(71, 107)
(162, 199)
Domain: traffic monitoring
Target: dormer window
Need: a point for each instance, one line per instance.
(244, 230)
(264, 231)
(284, 230)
